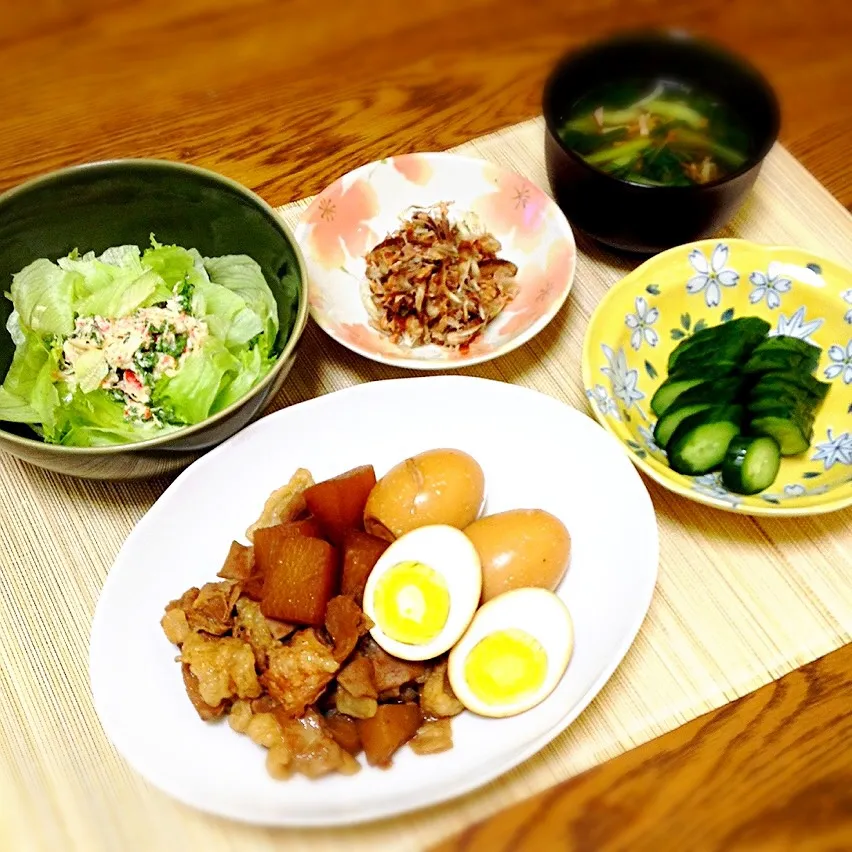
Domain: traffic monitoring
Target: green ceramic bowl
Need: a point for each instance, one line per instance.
(94, 206)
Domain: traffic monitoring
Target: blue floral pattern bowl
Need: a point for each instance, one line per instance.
(687, 288)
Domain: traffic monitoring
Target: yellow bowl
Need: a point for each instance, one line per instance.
(643, 317)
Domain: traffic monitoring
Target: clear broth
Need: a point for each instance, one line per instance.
(657, 132)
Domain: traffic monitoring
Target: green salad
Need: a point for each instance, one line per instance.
(134, 343)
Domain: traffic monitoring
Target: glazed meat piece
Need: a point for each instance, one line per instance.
(280, 629)
(436, 695)
(239, 563)
(204, 710)
(389, 672)
(224, 667)
(211, 611)
(240, 716)
(185, 601)
(346, 624)
(175, 625)
(357, 708)
(299, 672)
(308, 748)
(358, 679)
(361, 552)
(433, 737)
(285, 504)
(251, 626)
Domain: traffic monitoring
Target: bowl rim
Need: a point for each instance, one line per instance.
(670, 35)
(399, 359)
(661, 478)
(282, 359)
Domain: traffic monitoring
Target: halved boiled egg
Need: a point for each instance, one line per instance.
(513, 654)
(422, 593)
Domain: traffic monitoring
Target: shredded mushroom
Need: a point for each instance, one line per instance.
(431, 282)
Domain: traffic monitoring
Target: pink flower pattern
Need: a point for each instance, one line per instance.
(338, 219)
(413, 167)
(516, 207)
(538, 288)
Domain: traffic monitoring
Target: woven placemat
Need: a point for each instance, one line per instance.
(739, 602)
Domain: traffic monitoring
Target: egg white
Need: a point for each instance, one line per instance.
(448, 552)
(538, 612)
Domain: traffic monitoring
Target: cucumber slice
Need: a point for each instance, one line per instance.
(784, 343)
(802, 412)
(699, 444)
(738, 337)
(721, 391)
(691, 368)
(675, 415)
(795, 378)
(669, 391)
(792, 437)
(767, 362)
(751, 464)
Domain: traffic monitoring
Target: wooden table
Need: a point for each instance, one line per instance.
(283, 97)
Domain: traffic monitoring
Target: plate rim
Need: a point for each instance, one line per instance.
(409, 363)
(475, 782)
(770, 510)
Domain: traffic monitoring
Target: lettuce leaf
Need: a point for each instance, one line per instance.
(173, 264)
(97, 420)
(189, 394)
(124, 295)
(242, 276)
(29, 358)
(16, 410)
(226, 314)
(42, 294)
(252, 367)
(45, 395)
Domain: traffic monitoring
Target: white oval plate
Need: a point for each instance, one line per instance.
(536, 453)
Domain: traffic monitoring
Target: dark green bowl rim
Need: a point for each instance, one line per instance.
(283, 357)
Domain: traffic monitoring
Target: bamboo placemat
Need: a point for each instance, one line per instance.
(739, 601)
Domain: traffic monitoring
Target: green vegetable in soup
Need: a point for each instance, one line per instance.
(656, 135)
(133, 344)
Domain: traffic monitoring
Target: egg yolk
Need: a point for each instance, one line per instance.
(411, 603)
(506, 666)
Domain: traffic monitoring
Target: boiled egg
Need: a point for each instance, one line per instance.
(519, 548)
(423, 591)
(513, 654)
(442, 486)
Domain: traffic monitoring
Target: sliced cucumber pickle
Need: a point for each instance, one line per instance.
(751, 464)
(700, 442)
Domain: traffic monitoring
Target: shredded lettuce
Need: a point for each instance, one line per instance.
(79, 403)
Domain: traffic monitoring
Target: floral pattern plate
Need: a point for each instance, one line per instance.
(361, 208)
(678, 292)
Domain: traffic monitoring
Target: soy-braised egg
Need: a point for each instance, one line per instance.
(423, 591)
(442, 486)
(513, 654)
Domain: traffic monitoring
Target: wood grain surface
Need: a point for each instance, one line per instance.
(285, 95)
(771, 771)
